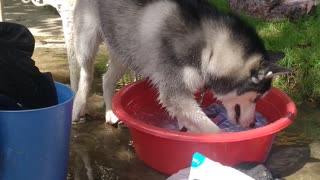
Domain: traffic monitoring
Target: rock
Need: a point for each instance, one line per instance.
(286, 160)
(273, 10)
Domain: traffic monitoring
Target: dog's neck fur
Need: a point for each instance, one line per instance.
(223, 57)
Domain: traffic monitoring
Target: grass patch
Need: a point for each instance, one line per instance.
(222, 5)
(101, 66)
(307, 122)
(300, 40)
(101, 62)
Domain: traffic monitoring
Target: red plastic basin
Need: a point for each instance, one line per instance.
(169, 151)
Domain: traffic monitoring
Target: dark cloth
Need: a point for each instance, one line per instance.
(7, 103)
(255, 170)
(20, 79)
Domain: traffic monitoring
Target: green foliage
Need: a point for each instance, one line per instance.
(100, 63)
(222, 5)
(300, 40)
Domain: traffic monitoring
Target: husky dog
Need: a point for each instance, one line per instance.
(182, 46)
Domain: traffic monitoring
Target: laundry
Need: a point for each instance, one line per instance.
(22, 85)
(218, 115)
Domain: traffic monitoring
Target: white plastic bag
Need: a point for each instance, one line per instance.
(203, 168)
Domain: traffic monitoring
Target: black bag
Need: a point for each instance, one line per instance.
(20, 79)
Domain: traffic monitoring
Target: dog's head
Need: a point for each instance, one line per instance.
(240, 102)
(237, 67)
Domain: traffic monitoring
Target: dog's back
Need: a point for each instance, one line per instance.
(137, 31)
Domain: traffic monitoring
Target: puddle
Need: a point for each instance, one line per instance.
(103, 152)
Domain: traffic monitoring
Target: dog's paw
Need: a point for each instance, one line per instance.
(208, 128)
(204, 131)
(77, 117)
(78, 112)
(211, 129)
(79, 121)
(111, 118)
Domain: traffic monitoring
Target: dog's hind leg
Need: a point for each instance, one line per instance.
(184, 107)
(110, 78)
(87, 40)
(68, 26)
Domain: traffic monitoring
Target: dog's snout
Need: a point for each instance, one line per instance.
(237, 110)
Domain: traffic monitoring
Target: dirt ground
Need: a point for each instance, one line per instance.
(102, 152)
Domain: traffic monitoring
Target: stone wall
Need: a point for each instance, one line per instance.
(272, 10)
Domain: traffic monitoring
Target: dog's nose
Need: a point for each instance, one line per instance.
(237, 110)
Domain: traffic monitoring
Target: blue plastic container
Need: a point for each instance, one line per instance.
(34, 144)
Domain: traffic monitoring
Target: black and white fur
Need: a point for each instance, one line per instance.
(182, 46)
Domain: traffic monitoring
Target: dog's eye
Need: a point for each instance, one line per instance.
(237, 110)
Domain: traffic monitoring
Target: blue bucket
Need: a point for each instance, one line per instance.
(34, 144)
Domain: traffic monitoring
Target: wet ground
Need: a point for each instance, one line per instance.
(103, 152)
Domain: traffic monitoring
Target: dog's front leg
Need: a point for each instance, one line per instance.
(184, 107)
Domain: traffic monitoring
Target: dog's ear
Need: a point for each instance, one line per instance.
(275, 56)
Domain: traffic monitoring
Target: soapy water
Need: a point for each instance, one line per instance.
(215, 112)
